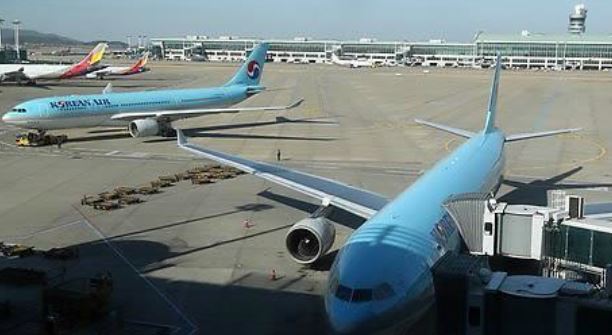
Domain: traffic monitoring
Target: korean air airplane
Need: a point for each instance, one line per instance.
(381, 279)
(146, 113)
(31, 72)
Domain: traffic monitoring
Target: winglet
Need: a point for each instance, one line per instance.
(108, 88)
(180, 138)
(296, 103)
(492, 110)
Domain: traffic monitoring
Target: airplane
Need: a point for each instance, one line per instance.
(381, 279)
(32, 72)
(352, 63)
(146, 113)
(138, 67)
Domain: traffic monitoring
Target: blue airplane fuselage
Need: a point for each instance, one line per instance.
(382, 278)
(73, 111)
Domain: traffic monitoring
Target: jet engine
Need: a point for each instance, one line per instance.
(144, 128)
(310, 239)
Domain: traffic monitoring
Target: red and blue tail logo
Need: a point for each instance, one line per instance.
(253, 69)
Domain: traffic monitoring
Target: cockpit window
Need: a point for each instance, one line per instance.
(19, 110)
(343, 293)
(382, 291)
(361, 295)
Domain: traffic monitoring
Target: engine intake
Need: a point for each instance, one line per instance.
(144, 128)
(310, 239)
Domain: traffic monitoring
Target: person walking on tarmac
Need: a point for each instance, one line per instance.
(278, 155)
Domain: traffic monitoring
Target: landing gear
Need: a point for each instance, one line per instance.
(166, 130)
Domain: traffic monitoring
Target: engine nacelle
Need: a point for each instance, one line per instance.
(310, 239)
(144, 128)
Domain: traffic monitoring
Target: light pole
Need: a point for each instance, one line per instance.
(1, 21)
(17, 23)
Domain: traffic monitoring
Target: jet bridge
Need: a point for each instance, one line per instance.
(566, 244)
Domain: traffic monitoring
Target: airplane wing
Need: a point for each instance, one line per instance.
(357, 201)
(186, 113)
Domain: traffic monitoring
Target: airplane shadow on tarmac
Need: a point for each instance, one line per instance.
(535, 191)
(250, 303)
(204, 131)
(119, 133)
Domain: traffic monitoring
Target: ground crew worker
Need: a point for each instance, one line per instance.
(278, 155)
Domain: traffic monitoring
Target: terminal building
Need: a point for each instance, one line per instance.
(525, 50)
(572, 50)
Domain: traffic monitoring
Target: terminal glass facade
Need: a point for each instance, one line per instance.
(296, 47)
(370, 48)
(524, 50)
(442, 49)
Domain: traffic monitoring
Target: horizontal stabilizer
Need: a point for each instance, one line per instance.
(528, 136)
(456, 131)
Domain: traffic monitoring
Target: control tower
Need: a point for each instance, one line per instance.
(577, 20)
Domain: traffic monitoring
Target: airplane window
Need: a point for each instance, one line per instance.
(361, 295)
(382, 291)
(343, 293)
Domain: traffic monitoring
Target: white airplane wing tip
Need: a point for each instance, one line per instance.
(296, 103)
(180, 137)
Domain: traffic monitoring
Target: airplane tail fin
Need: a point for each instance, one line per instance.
(86, 64)
(95, 56)
(489, 125)
(142, 61)
(250, 73)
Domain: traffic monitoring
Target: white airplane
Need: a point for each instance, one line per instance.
(31, 72)
(138, 67)
(352, 63)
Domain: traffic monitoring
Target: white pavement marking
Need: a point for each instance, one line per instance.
(46, 230)
(176, 309)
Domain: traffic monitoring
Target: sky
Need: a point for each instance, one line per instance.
(452, 20)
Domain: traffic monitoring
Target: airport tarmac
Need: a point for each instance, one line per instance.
(184, 259)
